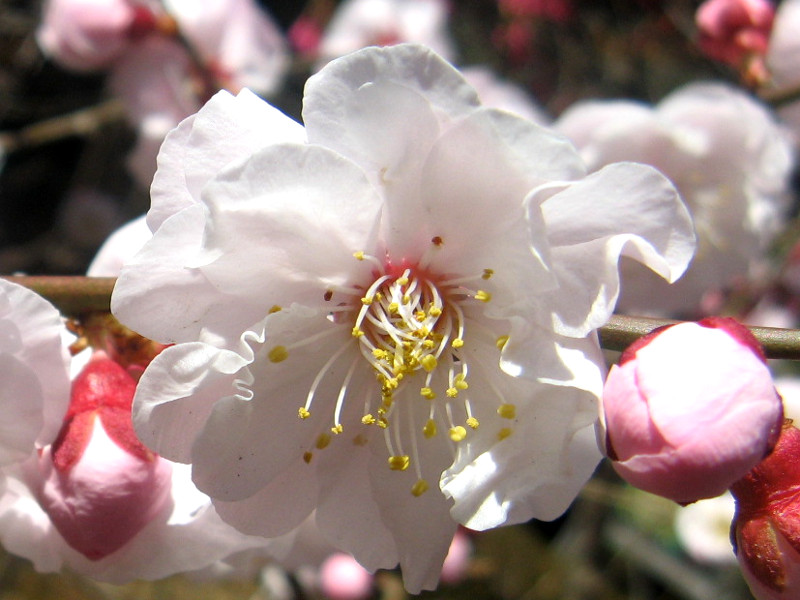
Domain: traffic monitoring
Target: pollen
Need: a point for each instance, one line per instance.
(399, 462)
(483, 296)
(472, 423)
(367, 300)
(278, 354)
(451, 392)
(303, 413)
(457, 433)
(429, 430)
(368, 419)
(357, 333)
(337, 429)
(501, 342)
(458, 343)
(507, 411)
(429, 362)
(359, 255)
(419, 488)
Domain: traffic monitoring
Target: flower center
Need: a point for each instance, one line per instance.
(410, 328)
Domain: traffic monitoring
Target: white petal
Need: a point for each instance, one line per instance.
(227, 128)
(278, 507)
(538, 470)
(623, 209)
(120, 246)
(315, 208)
(22, 400)
(176, 394)
(161, 298)
(32, 330)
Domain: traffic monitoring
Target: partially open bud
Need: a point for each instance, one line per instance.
(766, 528)
(100, 484)
(690, 409)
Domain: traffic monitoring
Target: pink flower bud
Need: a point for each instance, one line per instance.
(690, 408)
(100, 485)
(734, 30)
(766, 527)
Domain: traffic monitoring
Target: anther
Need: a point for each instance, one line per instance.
(457, 433)
(359, 255)
(457, 343)
(337, 429)
(429, 430)
(307, 456)
(483, 296)
(419, 488)
(275, 308)
(437, 240)
(278, 354)
(368, 419)
(472, 423)
(322, 441)
(487, 273)
(451, 392)
(399, 462)
(429, 362)
(501, 342)
(428, 393)
(303, 413)
(507, 411)
(503, 433)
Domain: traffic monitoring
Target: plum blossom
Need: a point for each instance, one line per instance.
(730, 161)
(76, 487)
(145, 46)
(360, 23)
(704, 530)
(690, 409)
(386, 316)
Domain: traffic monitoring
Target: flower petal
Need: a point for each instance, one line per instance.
(196, 150)
(161, 298)
(316, 208)
(635, 211)
(176, 394)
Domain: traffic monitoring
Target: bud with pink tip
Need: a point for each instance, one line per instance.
(766, 527)
(100, 485)
(690, 409)
(735, 32)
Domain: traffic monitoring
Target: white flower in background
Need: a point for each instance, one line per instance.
(783, 60)
(730, 161)
(77, 489)
(357, 24)
(120, 246)
(498, 93)
(704, 530)
(386, 316)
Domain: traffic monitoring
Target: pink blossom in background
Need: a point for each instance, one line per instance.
(505, 95)
(151, 70)
(87, 35)
(359, 23)
(731, 161)
(766, 527)
(554, 10)
(342, 578)
(736, 32)
(690, 409)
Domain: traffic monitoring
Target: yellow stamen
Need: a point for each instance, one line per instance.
(472, 422)
(368, 420)
(359, 255)
(303, 413)
(428, 393)
(399, 462)
(507, 411)
(451, 392)
(419, 488)
(275, 308)
(501, 342)
(337, 429)
(483, 296)
(278, 354)
(503, 433)
(307, 457)
(430, 429)
(487, 273)
(458, 343)
(429, 362)
(357, 333)
(457, 433)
